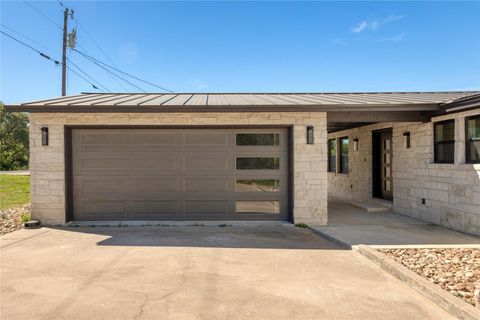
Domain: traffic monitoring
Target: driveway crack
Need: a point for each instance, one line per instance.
(170, 293)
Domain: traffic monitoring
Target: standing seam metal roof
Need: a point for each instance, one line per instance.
(252, 99)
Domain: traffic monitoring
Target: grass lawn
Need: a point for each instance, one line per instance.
(14, 190)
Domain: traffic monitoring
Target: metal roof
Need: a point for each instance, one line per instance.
(152, 102)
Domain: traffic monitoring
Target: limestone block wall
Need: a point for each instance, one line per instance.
(451, 191)
(47, 163)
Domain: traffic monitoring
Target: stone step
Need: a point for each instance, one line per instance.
(373, 205)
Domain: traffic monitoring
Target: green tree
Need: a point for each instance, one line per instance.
(13, 140)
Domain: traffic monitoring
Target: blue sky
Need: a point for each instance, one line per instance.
(248, 46)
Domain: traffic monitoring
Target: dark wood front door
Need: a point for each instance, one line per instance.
(382, 164)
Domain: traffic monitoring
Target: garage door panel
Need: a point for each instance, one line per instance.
(155, 185)
(101, 207)
(102, 186)
(206, 185)
(100, 138)
(153, 138)
(156, 163)
(206, 207)
(177, 174)
(207, 139)
(103, 164)
(214, 162)
(156, 207)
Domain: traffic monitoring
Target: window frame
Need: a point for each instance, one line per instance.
(276, 139)
(436, 143)
(469, 141)
(330, 169)
(341, 169)
(276, 162)
(276, 187)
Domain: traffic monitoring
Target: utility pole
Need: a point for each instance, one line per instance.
(72, 39)
(64, 53)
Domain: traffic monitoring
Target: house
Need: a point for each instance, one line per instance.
(255, 156)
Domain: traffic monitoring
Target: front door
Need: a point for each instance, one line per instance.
(386, 170)
(382, 164)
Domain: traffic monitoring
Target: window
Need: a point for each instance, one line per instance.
(472, 126)
(258, 163)
(332, 155)
(258, 139)
(444, 148)
(272, 207)
(344, 155)
(257, 185)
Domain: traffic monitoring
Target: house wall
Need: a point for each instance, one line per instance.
(47, 163)
(451, 191)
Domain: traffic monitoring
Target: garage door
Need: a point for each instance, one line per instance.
(180, 174)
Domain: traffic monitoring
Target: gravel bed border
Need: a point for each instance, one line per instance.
(457, 307)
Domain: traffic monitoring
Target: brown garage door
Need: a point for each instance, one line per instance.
(180, 174)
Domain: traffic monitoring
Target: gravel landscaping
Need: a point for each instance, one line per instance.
(454, 270)
(11, 219)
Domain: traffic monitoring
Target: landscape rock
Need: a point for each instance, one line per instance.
(10, 219)
(456, 270)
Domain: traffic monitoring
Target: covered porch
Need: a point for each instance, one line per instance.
(349, 226)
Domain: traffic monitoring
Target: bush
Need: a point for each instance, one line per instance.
(25, 217)
(13, 140)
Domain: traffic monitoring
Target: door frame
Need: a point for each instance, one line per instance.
(377, 162)
(68, 155)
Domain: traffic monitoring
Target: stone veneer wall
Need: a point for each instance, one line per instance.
(451, 191)
(47, 163)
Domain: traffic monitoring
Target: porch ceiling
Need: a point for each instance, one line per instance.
(338, 120)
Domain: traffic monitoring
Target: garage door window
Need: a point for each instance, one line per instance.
(258, 163)
(258, 139)
(255, 207)
(257, 185)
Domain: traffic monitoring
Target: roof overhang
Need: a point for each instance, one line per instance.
(220, 108)
(344, 110)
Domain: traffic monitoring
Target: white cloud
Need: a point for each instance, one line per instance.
(375, 24)
(361, 26)
(399, 37)
(392, 18)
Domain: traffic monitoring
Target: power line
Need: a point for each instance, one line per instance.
(112, 77)
(43, 15)
(47, 57)
(51, 50)
(30, 47)
(56, 24)
(25, 37)
(103, 63)
(96, 44)
(93, 40)
(94, 86)
(86, 74)
(101, 66)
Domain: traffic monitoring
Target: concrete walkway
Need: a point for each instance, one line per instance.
(261, 272)
(353, 226)
(16, 172)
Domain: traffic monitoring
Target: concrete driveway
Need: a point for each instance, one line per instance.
(261, 272)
